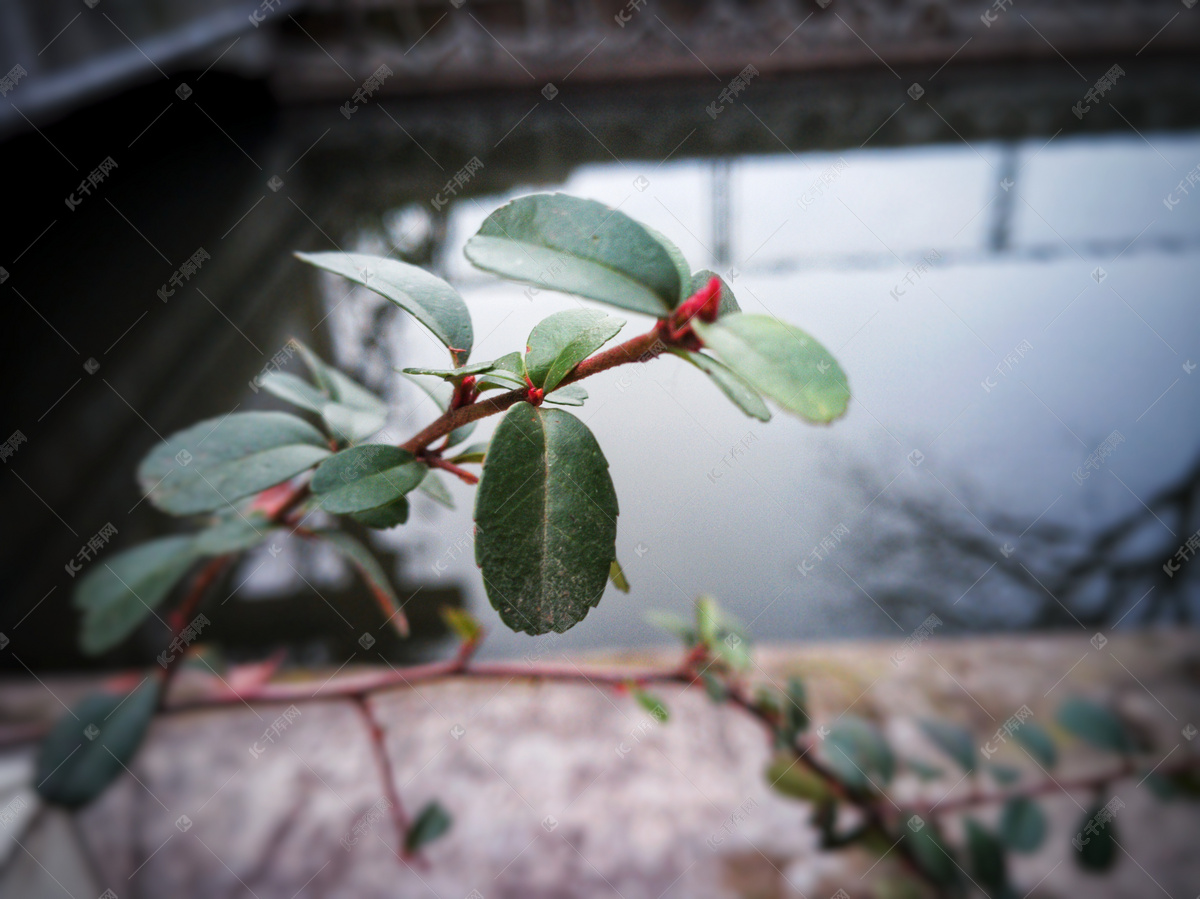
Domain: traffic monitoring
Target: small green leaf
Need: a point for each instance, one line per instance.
(652, 704)
(547, 515)
(795, 710)
(220, 460)
(462, 623)
(569, 395)
(366, 477)
(708, 620)
(988, 863)
(472, 454)
(560, 342)
(1023, 824)
(855, 749)
(617, 575)
(742, 394)
(929, 850)
(952, 739)
(350, 411)
(577, 246)
(453, 374)
(431, 822)
(119, 592)
(435, 488)
(1004, 775)
(1095, 724)
(673, 624)
(923, 769)
(1038, 741)
(232, 534)
(699, 281)
(384, 517)
(792, 777)
(1096, 842)
(372, 573)
(429, 299)
(714, 687)
(88, 748)
(780, 361)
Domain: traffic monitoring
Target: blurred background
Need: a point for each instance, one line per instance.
(988, 212)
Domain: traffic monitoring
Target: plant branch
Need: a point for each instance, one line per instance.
(642, 348)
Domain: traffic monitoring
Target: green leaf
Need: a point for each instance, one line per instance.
(382, 518)
(617, 575)
(1004, 775)
(431, 822)
(119, 592)
(708, 620)
(1095, 724)
(673, 624)
(578, 246)
(366, 477)
(652, 704)
(952, 739)
(742, 394)
(1038, 741)
(372, 573)
(988, 864)
(792, 777)
(429, 299)
(462, 623)
(474, 453)
(232, 534)
(217, 461)
(929, 849)
(570, 395)
(1095, 843)
(1022, 824)
(714, 687)
(547, 515)
(87, 749)
(795, 710)
(560, 342)
(350, 411)
(855, 750)
(780, 361)
(699, 281)
(435, 488)
(923, 769)
(453, 374)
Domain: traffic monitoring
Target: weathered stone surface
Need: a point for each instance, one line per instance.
(571, 789)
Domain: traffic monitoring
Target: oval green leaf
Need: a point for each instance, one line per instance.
(211, 464)
(1038, 741)
(742, 394)
(952, 739)
(780, 361)
(1096, 842)
(858, 754)
(547, 520)
(118, 593)
(1023, 824)
(560, 342)
(88, 748)
(580, 247)
(365, 477)
(988, 863)
(428, 298)
(1095, 724)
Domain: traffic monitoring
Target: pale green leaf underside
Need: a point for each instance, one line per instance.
(429, 299)
(579, 247)
(739, 392)
(780, 361)
(211, 464)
